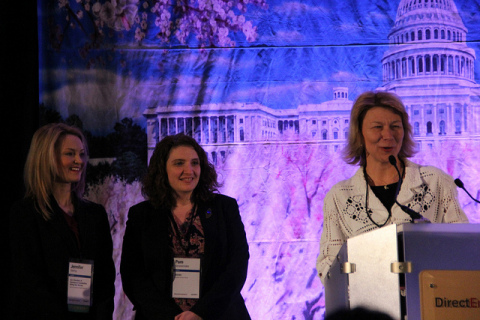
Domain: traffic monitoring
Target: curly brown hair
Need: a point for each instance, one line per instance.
(155, 183)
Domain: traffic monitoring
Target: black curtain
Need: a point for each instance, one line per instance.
(19, 110)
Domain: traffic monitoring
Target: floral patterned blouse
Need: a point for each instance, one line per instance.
(188, 241)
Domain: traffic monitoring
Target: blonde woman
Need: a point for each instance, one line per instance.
(380, 142)
(57, 238)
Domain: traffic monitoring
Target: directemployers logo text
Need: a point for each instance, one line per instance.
(457, 303)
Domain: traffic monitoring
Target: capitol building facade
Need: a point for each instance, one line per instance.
(221, 125)
(428, 64)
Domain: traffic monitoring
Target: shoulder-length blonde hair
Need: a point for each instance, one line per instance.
(354, 152)
(42, 165)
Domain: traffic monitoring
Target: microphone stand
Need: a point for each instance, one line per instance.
(416, 217)
(459, 184)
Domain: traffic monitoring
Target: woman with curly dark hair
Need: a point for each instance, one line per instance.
(185, 253)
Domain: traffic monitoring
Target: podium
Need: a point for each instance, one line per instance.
(409, 271)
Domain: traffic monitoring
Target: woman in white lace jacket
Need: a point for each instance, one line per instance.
(379, 128)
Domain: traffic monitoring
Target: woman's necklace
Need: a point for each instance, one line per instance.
(181, 214)
(182, 226)
(372, 183)
(369, 181)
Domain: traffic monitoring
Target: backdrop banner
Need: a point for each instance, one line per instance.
(266, 87)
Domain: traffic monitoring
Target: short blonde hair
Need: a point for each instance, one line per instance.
(354, 152)
(42, 165)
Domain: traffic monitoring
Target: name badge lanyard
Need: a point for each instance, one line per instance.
(186, 271)
(188, 233)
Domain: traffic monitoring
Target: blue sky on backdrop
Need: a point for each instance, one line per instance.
(303, 49)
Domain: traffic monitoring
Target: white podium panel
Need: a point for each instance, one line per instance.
(373, 254)
(381, 269)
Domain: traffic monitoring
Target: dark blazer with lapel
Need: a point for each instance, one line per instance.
(40, 256)
(146, 264)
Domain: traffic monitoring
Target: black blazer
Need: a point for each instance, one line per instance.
(40, 257)
(147, 258)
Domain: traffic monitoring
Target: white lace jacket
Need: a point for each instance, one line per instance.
(425, 189)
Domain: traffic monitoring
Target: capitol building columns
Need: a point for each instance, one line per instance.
(431, 68)
(428, 64)
(217, 127)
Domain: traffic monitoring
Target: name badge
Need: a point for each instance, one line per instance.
(80, 280)
(186, 278)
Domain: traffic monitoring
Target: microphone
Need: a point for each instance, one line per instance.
(459, 184)
(416, 217)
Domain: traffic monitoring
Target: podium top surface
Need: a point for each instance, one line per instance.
(439, 227)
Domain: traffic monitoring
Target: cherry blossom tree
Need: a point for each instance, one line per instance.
(198, 23)
(210, 20)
